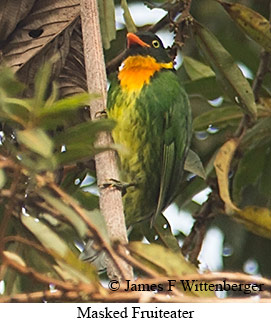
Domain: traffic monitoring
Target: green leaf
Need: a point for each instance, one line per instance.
(227, 72)
(265, 179)
(218, 117)
(130, 25)
(190, 189)
(163, 229)
(8, 83)
(77, 270)
(84, 133)
(46, 236)
(199, 105)
(251, 22)
(195, 69)
(61, 107)
(256, 219)
(68, 182)
(253, 177)
(194, 165)
(76, 152)
(38, 163)
(206, 87)
(22, 103)
(40, 261)
(41, 84)
(161, 233)
(15, 110)
(79, 225)
(258, 134)
(248, 172)
(66, 211)
(107, 21)
(86, 199)
(36, 140)
(53, 96)
(165, 262)
(71, 267)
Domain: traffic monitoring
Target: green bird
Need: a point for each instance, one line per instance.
(153, 127)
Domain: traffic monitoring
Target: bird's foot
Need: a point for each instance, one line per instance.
(114, 183)
(101, 114)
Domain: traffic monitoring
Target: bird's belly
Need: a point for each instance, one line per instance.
(140, 158)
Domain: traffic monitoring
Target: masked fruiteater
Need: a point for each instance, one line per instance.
(153, 127)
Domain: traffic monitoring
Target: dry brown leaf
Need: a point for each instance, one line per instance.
(256, 219)
(222, 166)
(45, 32)
(11, 13)
(72, 79)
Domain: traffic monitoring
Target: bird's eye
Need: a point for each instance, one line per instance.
(155, 43)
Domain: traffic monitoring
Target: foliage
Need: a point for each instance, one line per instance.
(48, 199)
(37, 215)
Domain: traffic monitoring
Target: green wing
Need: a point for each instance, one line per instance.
(177, 135)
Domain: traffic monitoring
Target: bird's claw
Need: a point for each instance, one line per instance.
(101, 114)
(114, 183)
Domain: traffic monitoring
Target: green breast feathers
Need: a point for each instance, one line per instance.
(153, 130)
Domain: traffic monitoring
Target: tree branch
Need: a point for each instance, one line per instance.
(193, 242)
(38, 276)
(82, 292)
(106, 164)
(261, 72)
(9, 207)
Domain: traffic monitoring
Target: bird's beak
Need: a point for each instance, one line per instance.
(134, 39)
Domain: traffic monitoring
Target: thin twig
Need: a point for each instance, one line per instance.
(38, 276)
(158, 298)
(41, 296)
(263, 69)
(83, 292)
(24, 241)
(125, 297)
(193, 242)
(9, 207)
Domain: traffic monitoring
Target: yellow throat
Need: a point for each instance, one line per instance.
(138, 70)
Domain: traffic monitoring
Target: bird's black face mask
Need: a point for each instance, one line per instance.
(146, 44)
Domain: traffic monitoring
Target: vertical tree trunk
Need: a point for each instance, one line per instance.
(106, 166)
